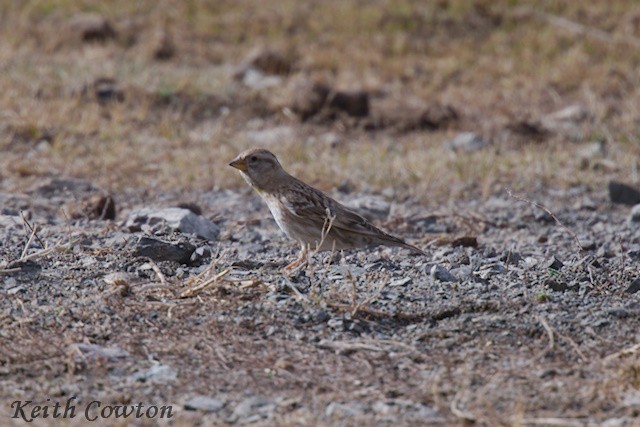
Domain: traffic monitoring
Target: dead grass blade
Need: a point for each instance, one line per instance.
(204, 285)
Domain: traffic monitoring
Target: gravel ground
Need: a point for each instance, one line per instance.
(507, 321)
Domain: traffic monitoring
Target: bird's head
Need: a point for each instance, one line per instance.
(259, 167)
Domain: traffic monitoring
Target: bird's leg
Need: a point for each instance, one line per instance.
(303, 256)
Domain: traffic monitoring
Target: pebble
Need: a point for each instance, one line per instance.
(633, 287)
(555, 285)
(201, 254)
(634, 215)
(554, 264)
(158, 374)
(159, 250)
(96, 352)
(179, 219)
(253, 409)
(204, 403)
(371, 207)
(438, 272)
(623, 193)
(466, 142)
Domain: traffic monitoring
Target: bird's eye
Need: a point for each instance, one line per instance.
(253, 159)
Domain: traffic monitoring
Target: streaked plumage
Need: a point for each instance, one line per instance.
(302, 211)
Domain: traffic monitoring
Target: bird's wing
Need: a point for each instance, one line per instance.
(315, 206)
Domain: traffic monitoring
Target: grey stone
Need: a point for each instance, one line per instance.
(179, 219)
(555, 285)
(204, 403)
(271, 136)
(572, 113)
(159, 250)
(634, 215)
(92, 27)
(201, 254)
(467, 142)
(554, 264)
(253, 409)
(623, 193)
(341, 410)
(633, 287)
(96, 352)
(440, 273)
(157, 373)
(370, 207)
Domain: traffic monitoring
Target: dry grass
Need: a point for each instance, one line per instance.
(493, 62)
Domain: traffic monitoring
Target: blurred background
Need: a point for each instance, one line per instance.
(436, 100)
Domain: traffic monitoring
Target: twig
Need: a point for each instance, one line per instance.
(624, 352)
(55, 248)
(10, 270)
(29, 240)
(575, 346)
(204, 285)
(555, 218)
(295, 290)
(547, 328)
(32, 229)
(158, 272)
(347, 347)
(465, 415)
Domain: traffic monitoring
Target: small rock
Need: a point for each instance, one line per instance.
(572, 113)
(438, 272)
(633, 287)
(466, 142)
(554, 264)
(193, 207)
(14, 290)
(159, 250)
(253, 409)
(268, 61)
(157, 374)
(204, 403)
(429, 224)
(341, 410)
(623, 193)
(511, 258)
(487, 271)
(105, 90)
(92, 27)
(634, 215)
(308, 98)
(555, 285)
(166, 48)
(96, 352)
(321, 316)
(401, 282)
(257, 80)
(97, 206)
(370, 207)
(355, 103)
(201, 254)
(271, 136)
(177, 218)
(462, 273)
(618, 312)
(76, 188)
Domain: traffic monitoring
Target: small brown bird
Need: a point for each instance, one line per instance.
(306, 214)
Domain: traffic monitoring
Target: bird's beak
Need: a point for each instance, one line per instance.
(240, 164)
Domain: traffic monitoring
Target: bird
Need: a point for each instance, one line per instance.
(306, 214)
